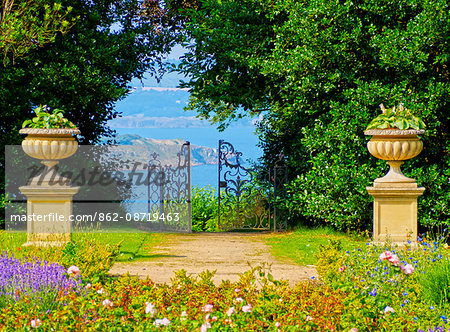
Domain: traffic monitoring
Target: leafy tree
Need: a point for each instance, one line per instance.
(316, 72)
(86, 70)
(28, 24)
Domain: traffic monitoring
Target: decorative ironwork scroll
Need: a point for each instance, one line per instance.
(169, 194)
(248, 198)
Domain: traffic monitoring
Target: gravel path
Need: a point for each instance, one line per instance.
(228, 253)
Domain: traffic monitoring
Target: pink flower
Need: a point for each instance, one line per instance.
(231, 311)
(277, 324)
(389, 309)
(247, 308)
(394, 260)
(73, 271)
(35, 323)
(107, 303)
(207, 308)
(205, 326)
(407, 269)
(341, 269)
(385, 255)
(353, 329)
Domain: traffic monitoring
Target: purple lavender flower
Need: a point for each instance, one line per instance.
(39, 279)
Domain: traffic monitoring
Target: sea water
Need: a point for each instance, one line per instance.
(242, 138)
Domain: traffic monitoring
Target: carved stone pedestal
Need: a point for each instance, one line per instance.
(395, 212)
(48, 214)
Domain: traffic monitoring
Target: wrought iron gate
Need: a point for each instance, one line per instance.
(169, 193)
(249, 198)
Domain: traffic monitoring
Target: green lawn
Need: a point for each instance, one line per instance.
(303, 244)
(135, 245)
(300, 245)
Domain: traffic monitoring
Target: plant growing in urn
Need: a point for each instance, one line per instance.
(49, 138)
(395, 140)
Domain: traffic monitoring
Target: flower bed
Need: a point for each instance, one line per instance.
(38, 281)
(367, 289)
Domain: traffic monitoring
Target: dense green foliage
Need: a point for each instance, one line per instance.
(316, 71)
(86, 70)
(28, 24)
(436, 283)
(204, 209)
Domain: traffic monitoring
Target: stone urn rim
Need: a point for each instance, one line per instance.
(394, 132)
(50, 131)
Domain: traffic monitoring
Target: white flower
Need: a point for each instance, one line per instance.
(389, 309)
(102, 291)
(230, 311)
(309, 318)
(207, 308)
(161, 322)
(247, 308)
(73, 271)
(239, 299)
(107, 303)
(183, 315)
(205, 326)
(150, 309)
(35, 323)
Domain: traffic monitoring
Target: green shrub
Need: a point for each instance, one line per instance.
(204, 209)
(329, 260)
(436, 283)
(94, 258)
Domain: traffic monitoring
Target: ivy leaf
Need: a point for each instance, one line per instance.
(401, 124)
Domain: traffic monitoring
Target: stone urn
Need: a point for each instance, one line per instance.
(395, 195)
(395, 146)
(49, 195)
(50, 146)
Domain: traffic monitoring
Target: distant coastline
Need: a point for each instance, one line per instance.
(167, 150)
